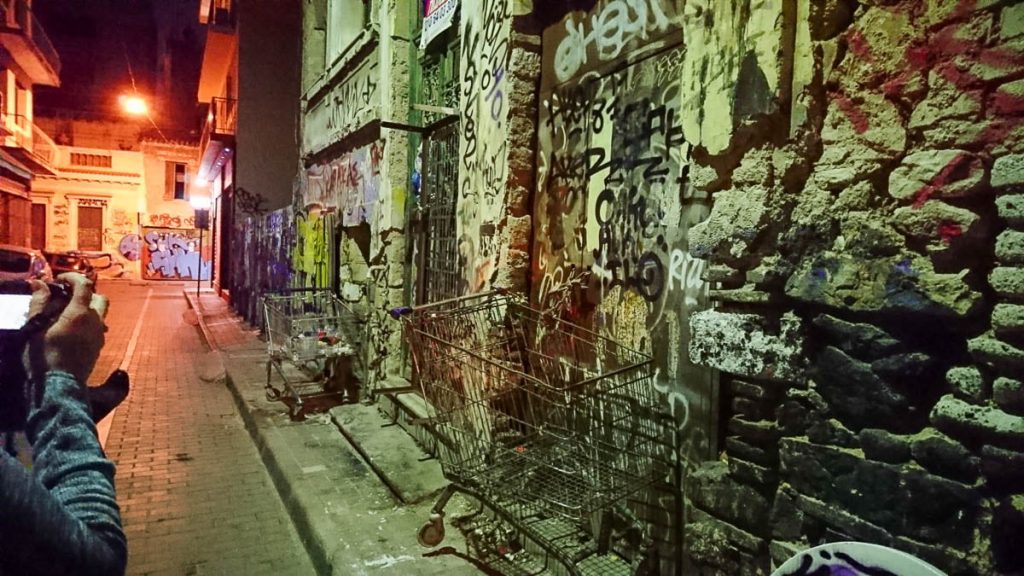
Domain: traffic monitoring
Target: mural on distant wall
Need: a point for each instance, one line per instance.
(483, 146)
(173, 254)
(350, 183)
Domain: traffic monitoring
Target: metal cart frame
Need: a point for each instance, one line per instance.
(313, 330)
(534, 416)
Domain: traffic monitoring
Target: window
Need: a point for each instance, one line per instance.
(345, 19)
(176, 177)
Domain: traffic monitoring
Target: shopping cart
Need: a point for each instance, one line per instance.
(311, 338)
(540, 419)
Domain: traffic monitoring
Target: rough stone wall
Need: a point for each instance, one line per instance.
(867, 245)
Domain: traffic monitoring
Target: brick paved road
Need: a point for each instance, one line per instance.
(194, 494)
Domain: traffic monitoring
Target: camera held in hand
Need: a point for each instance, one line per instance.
(16, 329)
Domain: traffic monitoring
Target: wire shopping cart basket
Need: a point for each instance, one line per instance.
(311, 338)
(534, 416)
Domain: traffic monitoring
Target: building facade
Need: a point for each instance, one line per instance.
(806, 213)
(27, 59)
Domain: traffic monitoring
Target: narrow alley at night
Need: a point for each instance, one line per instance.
(512, 287)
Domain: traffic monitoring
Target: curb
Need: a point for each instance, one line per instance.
(311, 541)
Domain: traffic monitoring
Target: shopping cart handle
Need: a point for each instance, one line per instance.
(397, 313)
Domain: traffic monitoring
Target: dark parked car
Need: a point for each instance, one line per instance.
(62, 262)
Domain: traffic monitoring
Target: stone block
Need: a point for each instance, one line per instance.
(856, 146)
(912, 366)
(763, 455)
(1007, 282)
(752, 390)
(736, 536)
(949, 173)
(858, 397)
(782, 551)
(1008, 173)
(950, 560)
(750, 473)
(906, 284)
(942, 455)
(745, 295)
(1007, 100)
(712, 489)
(740, 344)
(935, 221)
(1007, 527)
(1001, 467)
(996, 353)
(903, 500)
(1011, 209)
(1008, 394)
(842, 521)
(709, 545)
(885, 446)
(831, 431)
(786, 517)
(758, 432)
(1011, 21)
(737, 218)
(862, 341)
(793, 417)
(967, 383)
(721, 273)
(753, 409)
(867, 234)
(978, 424)
(1010, 247)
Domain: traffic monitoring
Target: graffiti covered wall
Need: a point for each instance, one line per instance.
(485, 76)
(171, 254)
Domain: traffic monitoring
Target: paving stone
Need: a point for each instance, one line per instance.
(191, 485)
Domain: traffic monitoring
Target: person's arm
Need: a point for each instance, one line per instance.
(62, 517)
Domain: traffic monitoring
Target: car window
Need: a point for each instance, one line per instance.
(14, 261)
(65, 261)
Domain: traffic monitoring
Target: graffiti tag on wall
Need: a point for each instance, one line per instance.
(349, 106)
(483, 146)
(173, 255)
(350, 183)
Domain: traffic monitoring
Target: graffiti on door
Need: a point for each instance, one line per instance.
(173, 255)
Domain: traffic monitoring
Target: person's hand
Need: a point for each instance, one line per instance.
(73, 343)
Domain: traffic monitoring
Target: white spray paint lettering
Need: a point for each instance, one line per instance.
(618, 24)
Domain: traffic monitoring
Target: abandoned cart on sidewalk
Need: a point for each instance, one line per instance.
(312, 339)
(548, 424)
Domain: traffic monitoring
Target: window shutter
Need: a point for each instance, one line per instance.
(168, 180)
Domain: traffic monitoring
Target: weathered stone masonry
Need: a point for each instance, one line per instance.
(870, 319)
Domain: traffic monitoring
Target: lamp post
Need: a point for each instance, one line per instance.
(201, 205)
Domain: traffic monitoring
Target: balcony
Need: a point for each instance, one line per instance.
(26, 41)
(218, 134)
(29, 144)
(221, 44)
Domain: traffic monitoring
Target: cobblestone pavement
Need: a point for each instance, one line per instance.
(194, 494)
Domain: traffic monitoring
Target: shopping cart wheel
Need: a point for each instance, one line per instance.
(432, 532)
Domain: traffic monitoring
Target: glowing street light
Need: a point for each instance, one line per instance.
(134, 105)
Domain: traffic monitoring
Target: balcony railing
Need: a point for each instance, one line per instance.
(221, 121)
(25, 135)
(18, 14)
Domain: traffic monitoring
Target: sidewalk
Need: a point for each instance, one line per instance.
(356, 486)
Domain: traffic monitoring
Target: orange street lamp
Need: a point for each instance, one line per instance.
(134, 105)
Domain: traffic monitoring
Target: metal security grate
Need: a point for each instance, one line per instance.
(441, 276)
